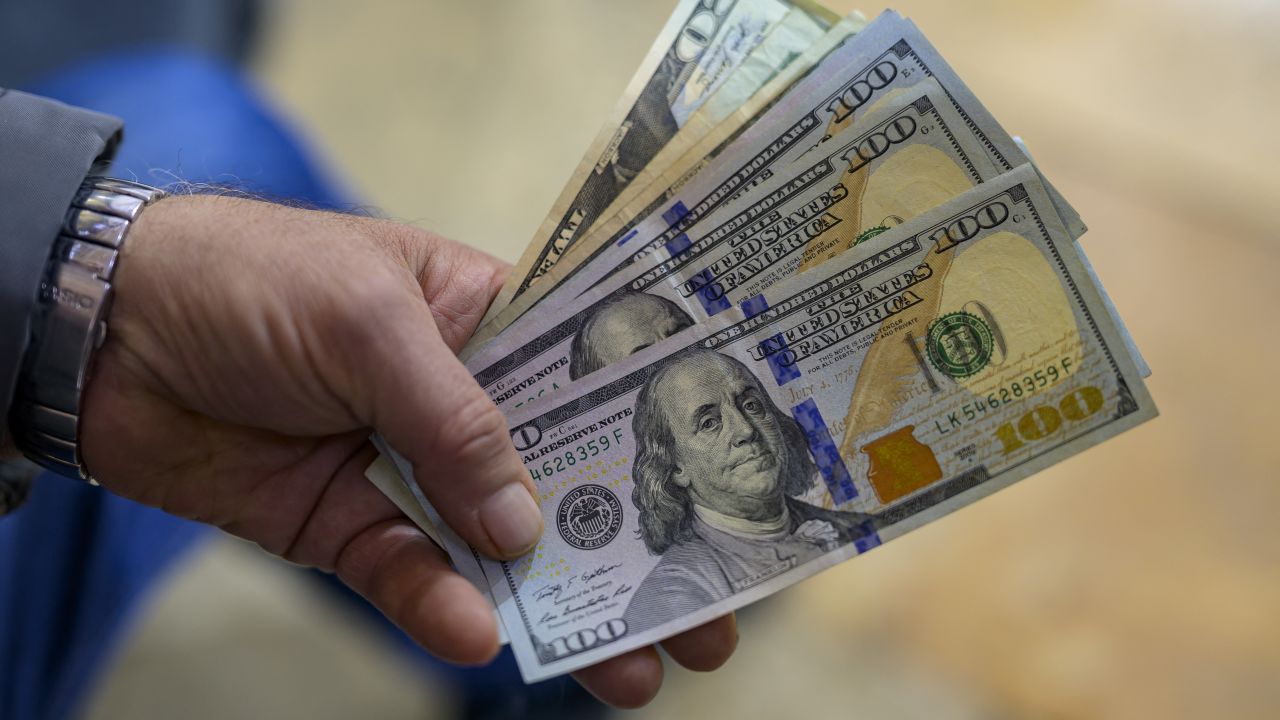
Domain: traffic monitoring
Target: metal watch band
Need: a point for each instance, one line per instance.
(70, 322)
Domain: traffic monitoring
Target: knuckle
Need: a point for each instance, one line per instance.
(409, 244)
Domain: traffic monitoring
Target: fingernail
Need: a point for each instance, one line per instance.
(512, 519)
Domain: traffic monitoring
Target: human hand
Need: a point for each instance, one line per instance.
(252, 349)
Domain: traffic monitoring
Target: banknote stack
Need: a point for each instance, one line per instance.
(802, 295)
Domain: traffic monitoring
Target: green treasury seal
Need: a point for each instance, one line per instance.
(959, 344)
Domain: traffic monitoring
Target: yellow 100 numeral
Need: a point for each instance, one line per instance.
(1042, 421)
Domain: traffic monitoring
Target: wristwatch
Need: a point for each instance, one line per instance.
(70, 322)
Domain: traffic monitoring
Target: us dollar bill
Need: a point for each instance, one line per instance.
(701, 45)
(889, 55)
(928, 367)
(914, 154)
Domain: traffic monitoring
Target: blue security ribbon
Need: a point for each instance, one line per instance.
(775, 347)
(870, 538)
(753, 306)
(678, 244)
(709, 292)
(779, 359)
(675, 213)
(825, 453)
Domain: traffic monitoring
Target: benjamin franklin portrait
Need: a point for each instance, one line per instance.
(623, 327)
(717, 467)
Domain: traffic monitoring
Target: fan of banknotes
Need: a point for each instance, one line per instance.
(802, 295)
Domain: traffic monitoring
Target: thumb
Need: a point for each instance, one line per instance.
(430, 409)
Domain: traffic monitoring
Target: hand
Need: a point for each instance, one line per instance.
(253, 347)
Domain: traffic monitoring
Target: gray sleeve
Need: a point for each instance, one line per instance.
(46, 149)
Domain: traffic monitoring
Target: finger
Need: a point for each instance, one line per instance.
(430, 409)
(459, 283)
(627, 681)
(706, 647)
(398, 569)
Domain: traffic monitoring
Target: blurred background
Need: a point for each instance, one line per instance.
(1140, 579)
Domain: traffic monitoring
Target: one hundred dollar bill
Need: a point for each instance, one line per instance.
(917, 152)
(701, 45)
(928, 367)
(889, 55)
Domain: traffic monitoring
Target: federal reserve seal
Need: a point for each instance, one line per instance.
(959, 344)
(589, 517)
